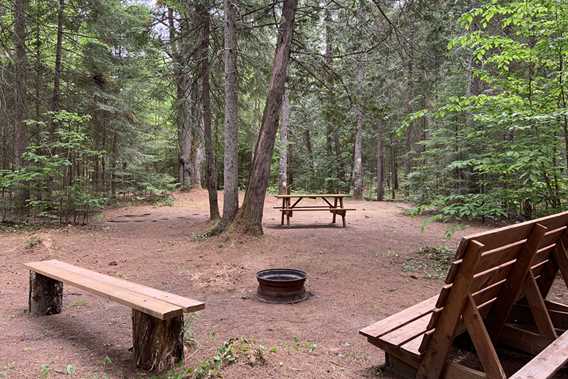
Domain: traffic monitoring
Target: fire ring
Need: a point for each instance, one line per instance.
(281, 286)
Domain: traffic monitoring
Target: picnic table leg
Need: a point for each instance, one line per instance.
(158, 344)
(335, 206)
(45, 296)
(343, 212)
(283, 206)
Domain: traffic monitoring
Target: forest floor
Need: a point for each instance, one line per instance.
(357, 275)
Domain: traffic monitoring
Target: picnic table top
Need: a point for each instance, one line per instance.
(313, 195)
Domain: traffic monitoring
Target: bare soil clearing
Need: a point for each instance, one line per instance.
(356, 275)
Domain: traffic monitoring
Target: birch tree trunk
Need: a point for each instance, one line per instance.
(283, 164)
(249, 218)
(231, 157)
(203, 12)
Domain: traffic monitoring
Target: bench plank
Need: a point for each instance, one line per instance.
(545, 364)
(188, 305)
(143, 303)
(400, 319)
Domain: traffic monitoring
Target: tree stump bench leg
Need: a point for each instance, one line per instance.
(45, 296)
(158, 344)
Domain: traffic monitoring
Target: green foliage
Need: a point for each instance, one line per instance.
(227, 354)
(50, 179)
(498, 151)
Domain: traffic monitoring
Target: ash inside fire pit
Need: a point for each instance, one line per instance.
(281, 286)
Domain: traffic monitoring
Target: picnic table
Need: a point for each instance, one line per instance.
(332, 203)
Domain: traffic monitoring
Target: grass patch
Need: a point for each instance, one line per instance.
(231, 351)
(432, 262)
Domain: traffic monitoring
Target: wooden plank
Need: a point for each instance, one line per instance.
(407, 332)
(154, 307)
(401, 353)
(436, 352)
(538, 308)
(523, 340)
(561, 257)
(509, 234)
(515, 284)
(555, 306)
(413, 345)
(313, 195)
(500, 255)
(456, 370)
(399, 319)
(488, 293)
(318, 210)
(481, 340)
(490, 277)
(188, 305)
(521, 314)
(547, 362)
(552, 236)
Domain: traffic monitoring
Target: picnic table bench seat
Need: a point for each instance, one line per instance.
(157, 316)
(494, 294)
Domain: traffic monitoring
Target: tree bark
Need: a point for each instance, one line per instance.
(231, 133)
(45, 296)
(249, 218)
(158, 344)
(58, 58)
(179, 49)
(283, 164)
(380, 161)
(203, 13)
(21, 63)
(358, 151)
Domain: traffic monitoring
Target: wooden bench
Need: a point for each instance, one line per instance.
(157, 316)
(494, 294)
(336, 208)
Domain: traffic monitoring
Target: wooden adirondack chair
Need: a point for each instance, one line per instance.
(495, 292)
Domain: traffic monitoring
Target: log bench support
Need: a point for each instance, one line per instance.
(45, 296)
(158, 344)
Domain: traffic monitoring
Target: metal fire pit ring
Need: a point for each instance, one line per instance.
(281, 286)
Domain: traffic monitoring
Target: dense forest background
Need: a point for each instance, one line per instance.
(457, 106)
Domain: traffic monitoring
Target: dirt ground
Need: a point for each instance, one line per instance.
(355, 274)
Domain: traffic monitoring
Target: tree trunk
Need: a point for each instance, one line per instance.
(203, 12)
(394, 169)
(21, 63)
(283, 164)
(45, 296)
(158, 344)
(179, 49)
(380, 161)
(249, 218)
(358, 151)
(197, 150)
(231, 133)
(58, 58)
